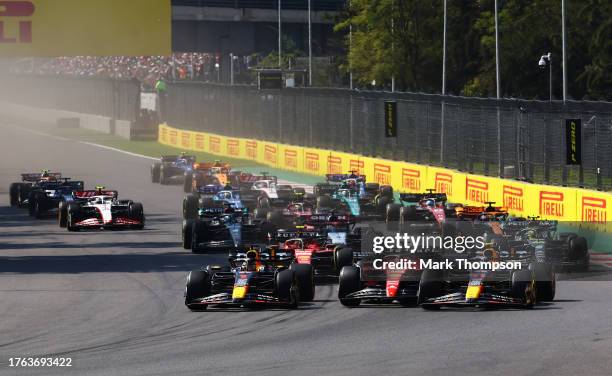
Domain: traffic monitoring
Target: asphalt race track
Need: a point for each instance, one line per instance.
(113, 301)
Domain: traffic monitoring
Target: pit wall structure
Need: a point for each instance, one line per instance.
(590, 208)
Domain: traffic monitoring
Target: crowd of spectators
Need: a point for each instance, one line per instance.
(146, 69)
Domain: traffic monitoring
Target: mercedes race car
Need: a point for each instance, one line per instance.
(101, 209)
(172, 166)
(20, 192)
(209, 198)
(256, 276)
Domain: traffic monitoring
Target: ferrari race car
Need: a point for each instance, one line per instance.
(256, 276)
(170, 167)
(351, 194)
(364, 283)
(20, 192)
(327, 252)
(100, 208)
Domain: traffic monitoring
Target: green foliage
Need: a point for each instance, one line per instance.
(403, 39)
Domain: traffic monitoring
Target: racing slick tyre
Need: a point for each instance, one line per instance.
(187, 232)
(260, 213)
(155, 172)
(190, 206)
(73, 216)
(372, 187)
(188, 182)
(35, 206)
(521, 287)
(136, 212)
(304, 275)
(343, 256)
(198, 286)
(325, 202)
(31, 199)
(545, 281)
(14, 194)
(579, 251)
(349, 282)
(276, 218)
(197, 233)
(62, 214)
(284, 285)
(392, 213)
(163, 178)
(263, 202)
(430, 286)
(386, 191)
(22, 194)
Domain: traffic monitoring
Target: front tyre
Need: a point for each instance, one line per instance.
(349, 282)
(198, 285)
(305, 278)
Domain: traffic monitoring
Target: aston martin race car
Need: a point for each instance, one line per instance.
(101, 209)
(20, 192)
(256, 276)
(171, 167)
(351, 194)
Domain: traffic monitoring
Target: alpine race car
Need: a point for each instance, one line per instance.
(45, 197)
(256, 276)
(20, 192)
(101, 209)
(170, 167)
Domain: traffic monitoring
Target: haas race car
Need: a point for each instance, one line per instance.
(101, 209)
(256, 276)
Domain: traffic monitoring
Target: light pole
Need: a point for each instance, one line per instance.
(280, 37)
(443, 89)
(232, 58)
(500, 166)
(546, 61)
(218, 72)
(563, 52)
(309, 43)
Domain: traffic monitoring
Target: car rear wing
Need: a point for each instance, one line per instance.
(95, 192)
(36, 176)
(337, 178)
(326, 189)
(247, 178)
(326, 218)
(225, 167)
(210, 189)
(416, 197)
(291, 234)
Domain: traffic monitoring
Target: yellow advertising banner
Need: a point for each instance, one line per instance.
(85, 28)
(521, 199)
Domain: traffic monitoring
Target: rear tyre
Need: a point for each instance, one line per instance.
(188, 182)
(579, 251)
(187, 233)
(343, 257)
(276, 218)
(14, 194)
(62, 214)
(155, 172)
(386, 191)
(190, 206)
(545, 281)
(198, 286)
(349, 282)
(163, 178)
(304, 275)
(263, 202)
(73, 217)
(197, 235)
(260, 213)
(325, 203)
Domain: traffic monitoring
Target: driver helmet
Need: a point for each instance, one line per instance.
(429, 203)
(250, 263)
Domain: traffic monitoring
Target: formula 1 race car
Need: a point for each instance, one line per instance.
(45, 197)
(210, 196)
(485, 287)
(327, 252)
(417, 212)
(20, 192)
(207, 174)
(100, 208)
(564, 250)
(364, 283)
(482, 213)
(263, 191)
(217, 227)
(170, 167)
(256, 276)
(351, 194)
